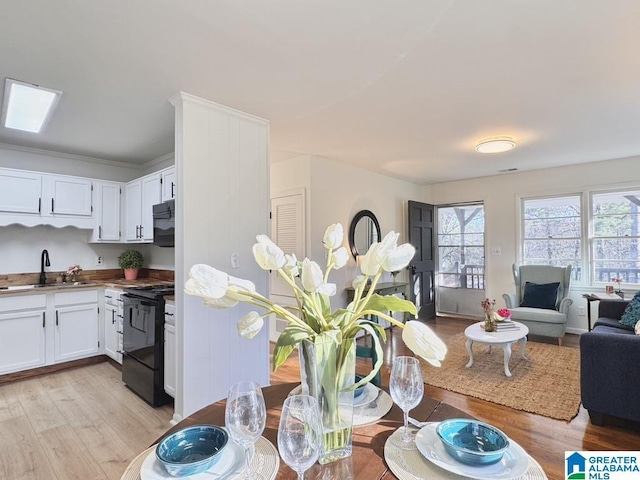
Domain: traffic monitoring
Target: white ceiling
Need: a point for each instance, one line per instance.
(401, 87)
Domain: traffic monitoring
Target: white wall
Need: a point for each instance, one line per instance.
(500, 196)
(222, 162)
(335, 193)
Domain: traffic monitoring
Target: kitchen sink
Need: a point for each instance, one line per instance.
(37, 285)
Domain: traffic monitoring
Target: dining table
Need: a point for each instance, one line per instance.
(368, 456)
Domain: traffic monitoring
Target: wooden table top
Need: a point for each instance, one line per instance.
(367, 460)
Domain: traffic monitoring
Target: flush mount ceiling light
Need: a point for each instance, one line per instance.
(26, 106)
(495, 145)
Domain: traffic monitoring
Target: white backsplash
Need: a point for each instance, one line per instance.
(21, 247)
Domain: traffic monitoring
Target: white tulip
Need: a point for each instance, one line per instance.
(340, 257)
(333, 236)
(206, 282)
(311, 275)
(267, 254)
(216, 288)
(313, 281)
(250, 325)
(359, 281)
(422, 341)
(389, 243)
(370, 265)
(291, 265)
(398, 258)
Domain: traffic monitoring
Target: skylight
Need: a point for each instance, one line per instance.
(27, 107)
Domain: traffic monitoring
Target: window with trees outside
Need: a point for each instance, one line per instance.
(615, 236)
(461, 246)
(552, 232)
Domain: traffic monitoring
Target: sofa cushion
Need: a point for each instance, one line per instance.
(608, 330)
(611, 322)
(544, 295)
(631, 314)
(537, 315)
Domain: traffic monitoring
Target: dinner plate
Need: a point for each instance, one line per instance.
(230, 465)
(369, 394)
(514, 463)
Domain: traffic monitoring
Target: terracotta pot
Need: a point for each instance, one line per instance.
(130, 273)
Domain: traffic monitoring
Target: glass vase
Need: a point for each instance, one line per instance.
(327, 371)
(489, 325)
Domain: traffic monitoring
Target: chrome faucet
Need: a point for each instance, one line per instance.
(44, 262)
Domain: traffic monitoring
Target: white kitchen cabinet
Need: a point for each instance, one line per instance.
(36, 198)
(22, 332)
(76, 325)
(141, 195)
(68, 195)
(170, 350)
(168, 180)
(20, 191)
(107, 226)
(113, 324)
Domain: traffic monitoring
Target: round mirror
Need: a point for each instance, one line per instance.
(363, 232)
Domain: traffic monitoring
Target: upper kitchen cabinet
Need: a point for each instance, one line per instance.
(107, 200)
(36, 198)
(140, 197)
(168, 180)
(20, 192)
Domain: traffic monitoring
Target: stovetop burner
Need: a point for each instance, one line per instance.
(151, 291)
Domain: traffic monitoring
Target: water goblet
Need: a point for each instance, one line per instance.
(245, 417)
(407, 389)
(300, 433)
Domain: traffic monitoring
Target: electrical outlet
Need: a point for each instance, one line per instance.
(99, 260)
(581, 312)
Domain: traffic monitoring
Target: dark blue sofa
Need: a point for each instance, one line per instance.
(609, 362)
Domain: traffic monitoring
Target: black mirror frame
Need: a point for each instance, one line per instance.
(352, 229)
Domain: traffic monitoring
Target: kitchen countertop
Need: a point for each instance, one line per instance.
(119, 283)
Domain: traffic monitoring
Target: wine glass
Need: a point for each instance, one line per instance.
(245, 417)
(407, 388)
(300, 433)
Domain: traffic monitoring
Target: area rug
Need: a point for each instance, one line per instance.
(547, 384)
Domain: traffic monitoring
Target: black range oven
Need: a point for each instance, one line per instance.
(143, 342)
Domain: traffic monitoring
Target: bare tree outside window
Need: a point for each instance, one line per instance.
(461, 246)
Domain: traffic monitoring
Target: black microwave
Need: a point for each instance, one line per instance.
(164, 215)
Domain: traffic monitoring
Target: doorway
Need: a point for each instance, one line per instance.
(460, 256)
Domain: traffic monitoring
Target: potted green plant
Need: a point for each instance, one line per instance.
(131, 261)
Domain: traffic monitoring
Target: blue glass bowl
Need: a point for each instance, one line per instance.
(358, 391)
(472, 442)
(192, 450)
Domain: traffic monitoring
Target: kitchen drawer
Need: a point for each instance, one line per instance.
(9, 303)
(76, 297)
(112, 297)
(169, 313)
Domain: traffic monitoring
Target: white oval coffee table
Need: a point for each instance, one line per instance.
(503, 339)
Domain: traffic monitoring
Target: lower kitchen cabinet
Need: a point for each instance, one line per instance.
(113, 324)
(170, 347)
(76, 332)
(22, 340)
(41, 329)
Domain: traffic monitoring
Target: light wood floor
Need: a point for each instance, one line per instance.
(84, 424)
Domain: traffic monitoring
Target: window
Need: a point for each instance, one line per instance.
(461, 246)
(615, 236)
(553, 232)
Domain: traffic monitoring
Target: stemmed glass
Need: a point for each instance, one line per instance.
(300, 433)
(245, 417)
(407, 388)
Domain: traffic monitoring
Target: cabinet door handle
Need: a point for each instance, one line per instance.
(43, 320)
(100, 234)
(168, 314)
(56, 318)
(137, 230)
(118, 331)
(40, 205)
(52, 210)
(141, 234)
(119, 316)
(108, 296)
(113, 317)
(172, 185)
